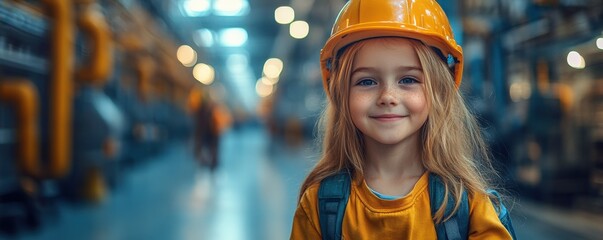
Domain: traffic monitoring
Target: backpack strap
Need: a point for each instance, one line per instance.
(503, 213)
(333, 197)
(456, 227)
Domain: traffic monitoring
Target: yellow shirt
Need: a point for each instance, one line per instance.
(369, 217)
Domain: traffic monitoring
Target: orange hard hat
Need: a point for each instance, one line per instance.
(423, 20)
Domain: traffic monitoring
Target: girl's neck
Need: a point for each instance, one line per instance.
(393, 161)
(393, 169)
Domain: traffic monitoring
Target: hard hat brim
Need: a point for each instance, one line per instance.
(375, 30)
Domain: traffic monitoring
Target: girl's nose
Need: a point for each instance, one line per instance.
(388, 97)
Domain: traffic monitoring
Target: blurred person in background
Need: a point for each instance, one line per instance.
(402, 158)
(212, 119)
(206, 136)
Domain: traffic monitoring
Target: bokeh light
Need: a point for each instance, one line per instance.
(204, 73)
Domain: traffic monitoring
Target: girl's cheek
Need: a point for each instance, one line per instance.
(416, 102)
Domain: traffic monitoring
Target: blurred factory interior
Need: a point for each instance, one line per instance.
(195, 119)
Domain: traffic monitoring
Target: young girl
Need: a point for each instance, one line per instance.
(391, 70)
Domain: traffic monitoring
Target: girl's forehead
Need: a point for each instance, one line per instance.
(388, 41)
(375, 50)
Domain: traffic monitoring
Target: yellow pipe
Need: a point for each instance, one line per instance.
(23, 95)
(61, 90)
(94, 25)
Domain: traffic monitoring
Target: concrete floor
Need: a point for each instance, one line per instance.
(252, 195)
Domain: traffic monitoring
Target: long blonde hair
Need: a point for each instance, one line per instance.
(452, 145)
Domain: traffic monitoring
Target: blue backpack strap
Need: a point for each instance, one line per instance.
(456, 227)
(333, 197)
(503, 213)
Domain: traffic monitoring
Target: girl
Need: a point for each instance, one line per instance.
(391, 70)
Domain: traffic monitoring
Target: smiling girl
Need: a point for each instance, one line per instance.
(395, 125)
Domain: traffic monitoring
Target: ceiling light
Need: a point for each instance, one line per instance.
(575, 60)
(194, 8)
(267, 81)
(284, 15)
(299, 29)
(263, 90)
(186, 55)
(233, 37)
(204, 73)
(273, 68)
(231, 7)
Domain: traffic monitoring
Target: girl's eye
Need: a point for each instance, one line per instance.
(408, 80)
(366, 82)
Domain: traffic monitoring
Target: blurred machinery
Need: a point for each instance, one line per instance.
(81, 100)
(532, 74)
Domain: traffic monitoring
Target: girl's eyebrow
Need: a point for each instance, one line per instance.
(401, 68)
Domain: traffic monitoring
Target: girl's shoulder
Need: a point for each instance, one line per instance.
(311, 193)
(309, 202)
(482, 201)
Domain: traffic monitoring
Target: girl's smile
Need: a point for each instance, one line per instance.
(387, 117)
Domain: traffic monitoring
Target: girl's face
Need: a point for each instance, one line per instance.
(387, 95)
